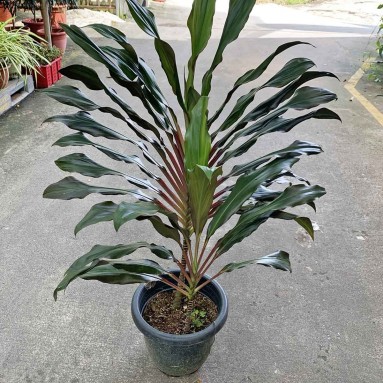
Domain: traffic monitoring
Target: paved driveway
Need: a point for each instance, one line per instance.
(323, 323)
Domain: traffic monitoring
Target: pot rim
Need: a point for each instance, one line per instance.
(32, 21)
(193, 338)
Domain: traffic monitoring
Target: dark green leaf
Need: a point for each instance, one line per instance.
(163, 229)
(169, 65)
(112, 275)
(87, 76)
(296, 149)
(250, 220)
(89, 260)
(245, 186)
(235, 265)
(70, 188)
(253, 74)
(80, 163)
(290, 72)
(308, 97)
(128, 211)
(272, 125)
(124, 272)
(279, 260)
(100, 212)
(197, 139)
(304, 222)
(70, 95)
(83, 122)
(78, 139)
(143, 18)
(239, 12)
(200, 24)
(202, 182)
(116, 35)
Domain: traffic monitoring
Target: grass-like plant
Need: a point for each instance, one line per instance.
(195, 189)
(19, 48)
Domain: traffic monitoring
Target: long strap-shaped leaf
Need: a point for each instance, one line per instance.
(146, 21)
(82, 164)
(125, 212)
(252, 75)
(70, 95)
(91, 80)
(200, 23)
(78, 139)
(278, 260)
(239, 12)
(83, 122)
(296, 149)
(250, 221)
(89, 260)
(245, 186)
(134, 87)
(275, 124)
(290, 72)
(273, 102)
(70, 188)
(197, 139)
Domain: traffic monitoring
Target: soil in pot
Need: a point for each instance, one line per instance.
(160, 314)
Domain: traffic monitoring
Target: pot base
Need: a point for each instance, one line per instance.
(179, 355)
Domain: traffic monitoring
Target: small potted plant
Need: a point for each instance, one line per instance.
(199, 190)
(18, 51)
(48, 70)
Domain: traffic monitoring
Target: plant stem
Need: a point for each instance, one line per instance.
(178, 296)
(189, 311)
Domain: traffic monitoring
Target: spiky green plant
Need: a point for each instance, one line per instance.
(190, 196)
(19, 49)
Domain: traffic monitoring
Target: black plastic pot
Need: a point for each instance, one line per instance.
(178, 355)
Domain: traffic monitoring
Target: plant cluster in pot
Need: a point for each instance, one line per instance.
(18, 52)
(48, 70)
(194, 190)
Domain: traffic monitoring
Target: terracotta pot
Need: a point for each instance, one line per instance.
(58, 15)
(59, 37)
(4, 76)
(33, 25)
(4, 14)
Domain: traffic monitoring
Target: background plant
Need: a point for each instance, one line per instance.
(195, 189)
(379, 39)
(20, 49)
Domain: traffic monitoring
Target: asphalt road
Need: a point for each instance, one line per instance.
(322, 323)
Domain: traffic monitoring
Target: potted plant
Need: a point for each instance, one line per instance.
(18, 50)
(48, 70)
(195, 189)
(35, 23)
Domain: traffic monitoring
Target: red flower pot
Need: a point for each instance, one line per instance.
(34, 25)
(48, 74)
(58, 15)
(59, 37)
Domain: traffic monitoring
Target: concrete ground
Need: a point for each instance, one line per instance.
(322, 323)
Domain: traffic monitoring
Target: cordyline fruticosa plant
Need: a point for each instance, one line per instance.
(190, 196)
